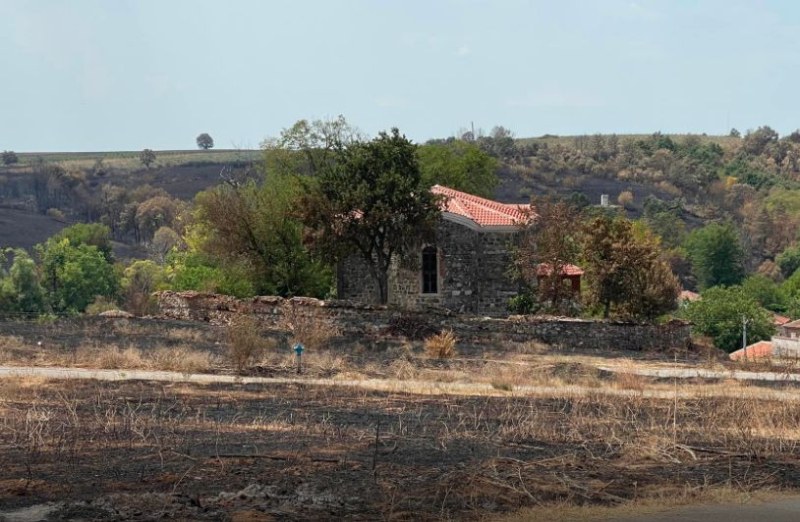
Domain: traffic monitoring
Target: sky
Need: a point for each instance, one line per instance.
(96, 75)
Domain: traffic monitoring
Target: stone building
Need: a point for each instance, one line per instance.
(466, 269)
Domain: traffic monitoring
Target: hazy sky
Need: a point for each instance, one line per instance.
(125, 75)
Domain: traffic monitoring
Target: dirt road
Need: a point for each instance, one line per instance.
(397, 385)
(784, 510)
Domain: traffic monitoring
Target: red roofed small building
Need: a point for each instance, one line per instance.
(466, 267)
(569, 273)
(759, 350)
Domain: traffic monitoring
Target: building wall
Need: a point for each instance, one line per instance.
(473, 274)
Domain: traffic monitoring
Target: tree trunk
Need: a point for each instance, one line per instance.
(383, 287)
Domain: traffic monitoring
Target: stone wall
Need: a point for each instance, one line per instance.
(473, 274)
(365, 322)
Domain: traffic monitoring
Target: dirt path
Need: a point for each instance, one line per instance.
(784, 510)
(703, 373)
(390, 385)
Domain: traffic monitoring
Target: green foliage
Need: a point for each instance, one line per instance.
(205, 141)
(139, 280)
(625, 275)
(252, 229)
(719, 315)
(93, 234)
(459, 165)
(789, 260)
(20, 291)
(372, 202)
(766, 292)
(9, 157)
(196, 271)
(75, 274)
(523, 303)
(663, 218)
(716, 254)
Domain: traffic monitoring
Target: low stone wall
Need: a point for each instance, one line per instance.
(372, 322)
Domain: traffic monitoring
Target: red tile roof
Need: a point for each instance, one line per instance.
(484, 212)
(754, 351)
(793, 324)
(688, 295)
(779, 320)
(544, 270)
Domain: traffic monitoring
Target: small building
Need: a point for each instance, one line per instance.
(759, 350)
(466, 268)
(569, 273)
(786, 342)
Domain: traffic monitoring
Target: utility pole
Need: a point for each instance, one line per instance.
(744, 335)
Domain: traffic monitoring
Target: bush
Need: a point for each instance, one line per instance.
(245, 343)
(442, 345)
(312, 332)
(625, 198)
(56, 214)
(101, 304)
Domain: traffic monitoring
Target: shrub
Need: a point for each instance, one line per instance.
(101, 304)
(312, 332)
(625, 198)
(245, 343)
(442, 345)
(56, 214)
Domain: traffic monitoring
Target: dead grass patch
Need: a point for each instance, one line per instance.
(245, 343)
(181, 359)
(441, 345)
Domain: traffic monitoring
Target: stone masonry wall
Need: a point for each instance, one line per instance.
(362, 322)
(473, 274)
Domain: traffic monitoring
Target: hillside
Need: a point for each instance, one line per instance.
(750, 180)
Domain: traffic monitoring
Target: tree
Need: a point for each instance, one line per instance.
(253, 226)
(308, 147)
(719, 315)
(371, 202)
(75, 274)
(624, 272)
(549, 239)
(9, 157)
(789, 260)
(20, 290)
(139, 280)
(459, 165)
(766, 292)
(93, 234)
(148, 157)
(716, 254)
(205, 141)
(756, 142)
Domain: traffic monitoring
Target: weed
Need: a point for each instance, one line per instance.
(245, 343)
(442, 345)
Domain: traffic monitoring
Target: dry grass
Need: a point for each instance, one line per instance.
(657, 503)
(313, 333)
(441, 345)
(181, 359)
(245, 343)
(178, 358)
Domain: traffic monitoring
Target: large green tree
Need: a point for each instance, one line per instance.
(716, 254)
(253, 228)
(371, 201)
(74, 275)
(720, 314)
(460, 165)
